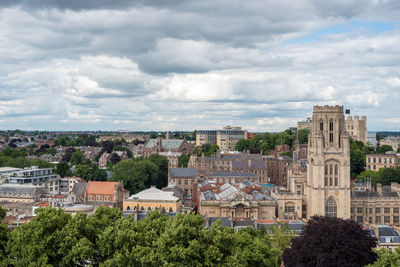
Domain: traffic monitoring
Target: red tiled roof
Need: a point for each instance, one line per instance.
(101, 188)
(43, 204)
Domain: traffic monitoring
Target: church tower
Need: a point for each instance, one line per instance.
(328, 171)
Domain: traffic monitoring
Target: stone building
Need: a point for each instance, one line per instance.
(183, 178)
(328, 172)
(380, 206)
(357, 128)
(155, 146)
(393, 141)
(232, 201)
(153, 199)
(304, 124)
(110, 194)
(277, 169)
(226, 138)
(230, 162)
(375, 162)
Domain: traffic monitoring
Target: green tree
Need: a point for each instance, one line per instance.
(385, 148)
(302, 135)
(4, 232)
(243, 145)
(162, 164)
(387, 258)
(136, 175)
(183, 160)
(63, 169)
(77, 157)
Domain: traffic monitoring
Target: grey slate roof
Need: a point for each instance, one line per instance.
(225, 221)
(387, 234)
(79, 189)
(166, 143)
(232, 174)
(17, 189)
(255, 164)
(183, 172)
(386, 192)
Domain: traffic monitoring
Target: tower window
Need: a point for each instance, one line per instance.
(321, 126)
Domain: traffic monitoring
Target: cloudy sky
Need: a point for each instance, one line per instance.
(184, 65)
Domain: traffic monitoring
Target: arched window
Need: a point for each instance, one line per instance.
(171, 210)
(128, 208)
(149, 208)
(141, 208)
(336, 175)
(321, 126)
(330, 208)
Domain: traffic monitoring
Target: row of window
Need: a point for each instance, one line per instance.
(378, 219)
(381, 160)
(377, 210)
(149, 208)
(100, 198)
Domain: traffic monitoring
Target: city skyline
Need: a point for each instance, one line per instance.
(196, 65)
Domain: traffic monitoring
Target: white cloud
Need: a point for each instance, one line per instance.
(196, 64)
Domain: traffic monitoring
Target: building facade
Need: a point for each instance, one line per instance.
(393, 141)
(226, 138)
(374, 162)
(328, 172)
(357, 128)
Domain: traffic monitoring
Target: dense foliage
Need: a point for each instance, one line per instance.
(271, 140)
(14, 157)
(384, 176)
(387, 258)
(358, 153)
(205, 149)
(106, 238)
(138, 174)
(328, 241)
(183, 160)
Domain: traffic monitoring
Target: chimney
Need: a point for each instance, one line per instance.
(379, 188)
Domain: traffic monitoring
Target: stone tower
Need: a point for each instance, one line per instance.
(328, 172)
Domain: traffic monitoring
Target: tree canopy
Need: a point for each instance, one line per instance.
(106, 238)
(328, 241)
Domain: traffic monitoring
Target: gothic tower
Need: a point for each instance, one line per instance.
(328, 172)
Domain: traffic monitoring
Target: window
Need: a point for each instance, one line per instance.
(377, 210)
(378, 219)
(396, 210)
(369, 210)
(359, 209)
(330, 208)
(171, 210)
(360, 219)
(351, 210)
(396, 219)
(369, 160)
(386, 210)
(321, 126)
(289, 207)
(386, 219)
